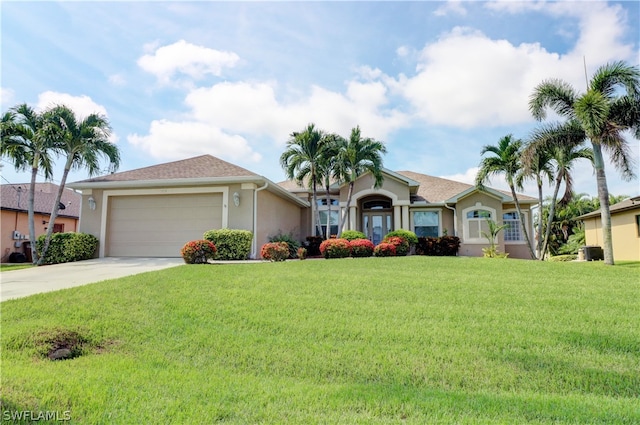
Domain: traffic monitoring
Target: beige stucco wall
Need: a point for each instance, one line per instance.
(17, 220)
(276, 215)
(364, 187)
(241, 217)
(479, 199)
(624, 233)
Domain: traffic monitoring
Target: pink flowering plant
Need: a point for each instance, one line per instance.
(335, 248)
(275, 251)
(198, 252)
(361, 248)
(401, 244)
(384, 249)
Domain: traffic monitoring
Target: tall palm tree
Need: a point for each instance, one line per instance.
(326, 168)
(505, 160)
(562, 144)
(23, 142)
(300, 162)
(356, 156)
(610, 106)
(83, 142)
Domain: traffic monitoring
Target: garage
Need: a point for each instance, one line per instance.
(159, 225)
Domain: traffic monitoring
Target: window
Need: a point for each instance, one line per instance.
(58, 228)
(638, 224)
(335, 219)
(426, 224)
(513, 232)
(476, 223)
(322, 202)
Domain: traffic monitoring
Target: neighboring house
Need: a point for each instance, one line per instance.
(625, 229)
(15, 217)
(153, 211)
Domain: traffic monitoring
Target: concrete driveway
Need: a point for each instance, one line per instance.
(24, 282)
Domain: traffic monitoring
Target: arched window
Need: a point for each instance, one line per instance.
(475, 223)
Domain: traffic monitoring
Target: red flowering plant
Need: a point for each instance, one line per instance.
(384, 249)
(275, 251)
(361, 248)
(198, 252)
(400, 243)
(335, 248)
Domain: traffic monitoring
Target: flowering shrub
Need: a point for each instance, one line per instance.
(384, 249)
(335, 248)
(302, 253)
(275, 251)
(361, 248)
(198, 252)
(401, 245)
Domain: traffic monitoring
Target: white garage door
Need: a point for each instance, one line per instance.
(159, 225)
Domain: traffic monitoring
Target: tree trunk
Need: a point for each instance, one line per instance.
(54, 213)
(315, 205)
(522, 222)
(31, 207)
(539, 244)
(603, 195)
(552, 212)
(328, 196)
(346, 209)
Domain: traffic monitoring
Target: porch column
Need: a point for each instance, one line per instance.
(352, 218)
(405, 217)
(397, 223)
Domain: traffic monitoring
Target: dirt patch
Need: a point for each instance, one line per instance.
(61, 344)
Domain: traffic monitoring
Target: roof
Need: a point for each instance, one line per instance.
(16, 197)
(203, 166)
(626, 205)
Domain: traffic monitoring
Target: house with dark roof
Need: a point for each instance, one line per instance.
(153, 211)
(625, 229)
(15, 235)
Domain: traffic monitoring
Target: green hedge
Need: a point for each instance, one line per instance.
(351, 235)
(231, 244)
(68, 247)
(407, 235)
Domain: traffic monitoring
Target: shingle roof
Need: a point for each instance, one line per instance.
(198, 167)
(16, 197)
(627, 204)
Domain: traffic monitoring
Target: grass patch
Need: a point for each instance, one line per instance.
(9, 267)
(372, 340)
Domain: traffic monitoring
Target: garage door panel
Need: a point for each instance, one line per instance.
(159, 225)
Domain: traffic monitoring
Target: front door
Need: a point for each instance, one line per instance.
(376, 225)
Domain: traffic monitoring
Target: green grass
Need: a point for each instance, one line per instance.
(374, 340)
(9, 267)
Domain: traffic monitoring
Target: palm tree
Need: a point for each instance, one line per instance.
(326, 167)
(505, 160)
(301, 160)
(83, 142)
(610, 106)
(23, 143)
(561, 142)
(357, 156)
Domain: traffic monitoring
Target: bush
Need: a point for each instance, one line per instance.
(492, 252)
(351, 235)
(302, 253)
(292, 244)
(568, 257)
(407, 235)
(68, 247)
(401, 244)
(275, 251)
(313, 245)
(335, 248)
(361, 248)
(442, 246)
(231, 244)
(384, 249)
(198, 252)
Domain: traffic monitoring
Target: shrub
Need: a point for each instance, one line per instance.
(361, 248)
(384, 249)
(275, 251)
(68, 247)
(313, 245)
(401, 245)
(492, 252)
(442, 246)
(335, 248)
(567, 257)
(292, 244)
(407, 235)
(198, 252)
(231, 244)
(302, 253)
(351, 235)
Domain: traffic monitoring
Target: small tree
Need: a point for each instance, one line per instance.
(491, 236)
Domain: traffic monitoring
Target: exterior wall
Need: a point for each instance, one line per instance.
(519, 249)
(275, 215)
(241, 217)
(624, 232)
(446, 218)
(19, 220)
(365, 185)
(477, 199)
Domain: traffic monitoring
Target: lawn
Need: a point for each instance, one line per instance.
(9, 267)
(373, 341)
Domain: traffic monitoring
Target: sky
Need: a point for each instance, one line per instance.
(435, 81)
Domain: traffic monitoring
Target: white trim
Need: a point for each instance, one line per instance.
(162, 191)
(367, 192)
(436, 210)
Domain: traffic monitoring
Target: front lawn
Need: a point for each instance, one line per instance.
(9, 267)
(371, 340)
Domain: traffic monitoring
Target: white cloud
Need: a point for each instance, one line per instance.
(170, 140)
(6, 97)
(117, 80)
(188, 59)
(451, 6)
(83, 106)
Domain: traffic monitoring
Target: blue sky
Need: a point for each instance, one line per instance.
(436, 81)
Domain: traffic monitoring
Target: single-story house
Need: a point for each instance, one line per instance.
(625, 229)
(153, 211)
(15, 235)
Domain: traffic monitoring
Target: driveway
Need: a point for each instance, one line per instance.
(25, 282)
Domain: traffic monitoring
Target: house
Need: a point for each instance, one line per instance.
(625, 229)
(153, 211)
(15, 235)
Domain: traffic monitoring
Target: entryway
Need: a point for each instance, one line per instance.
(377, 218)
